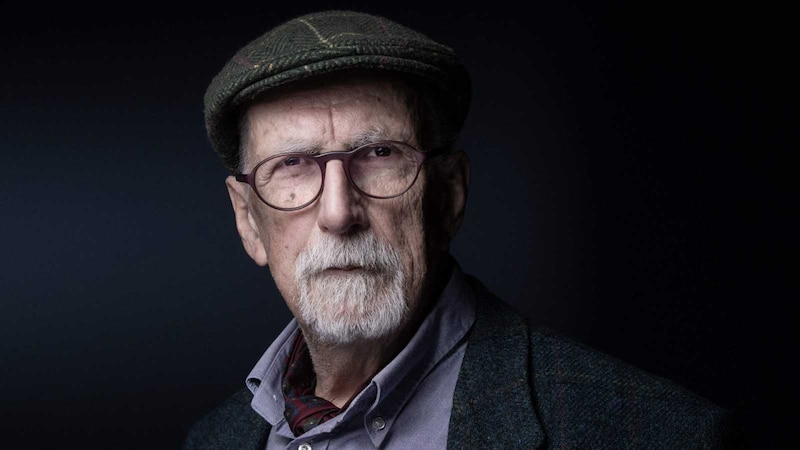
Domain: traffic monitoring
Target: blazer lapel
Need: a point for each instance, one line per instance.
(249, 431)
(492, 403)
(234, 424)
(256, 438)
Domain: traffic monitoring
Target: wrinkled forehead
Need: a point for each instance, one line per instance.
(385, 87)
(375, 102)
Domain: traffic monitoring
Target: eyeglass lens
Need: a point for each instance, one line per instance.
(378, 170)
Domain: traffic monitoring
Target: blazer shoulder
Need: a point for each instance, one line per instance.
(233, 424)
(601, 397)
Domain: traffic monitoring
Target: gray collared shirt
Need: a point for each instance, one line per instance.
(406, 405)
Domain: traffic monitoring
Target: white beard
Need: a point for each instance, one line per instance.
(354, 305)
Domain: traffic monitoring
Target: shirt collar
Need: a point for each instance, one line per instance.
(264, 381)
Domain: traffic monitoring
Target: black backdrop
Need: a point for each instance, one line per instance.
(629, 190)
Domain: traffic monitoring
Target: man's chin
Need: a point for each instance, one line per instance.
(342, 305)
(369, 319)
(347, 333)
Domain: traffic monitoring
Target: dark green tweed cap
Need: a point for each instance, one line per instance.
(326, 42)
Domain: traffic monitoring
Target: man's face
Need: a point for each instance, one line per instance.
(328, 293)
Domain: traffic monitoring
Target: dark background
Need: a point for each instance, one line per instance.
(630, 190)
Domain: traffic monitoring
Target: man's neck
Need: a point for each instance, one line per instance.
(342, 370)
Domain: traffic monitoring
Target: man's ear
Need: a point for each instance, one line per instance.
(245, 221)
(455, 181)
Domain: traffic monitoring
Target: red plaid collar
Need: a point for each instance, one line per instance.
(304, 410)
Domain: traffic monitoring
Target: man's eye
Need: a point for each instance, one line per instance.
(291, 161)
(382, 151)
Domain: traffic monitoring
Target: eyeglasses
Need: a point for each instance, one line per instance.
(292, 181)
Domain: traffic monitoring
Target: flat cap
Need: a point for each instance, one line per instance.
(326, 42)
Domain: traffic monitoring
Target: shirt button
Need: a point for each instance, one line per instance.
(378, 423)
(304, 447)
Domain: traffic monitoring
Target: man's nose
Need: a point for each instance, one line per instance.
(341, 209)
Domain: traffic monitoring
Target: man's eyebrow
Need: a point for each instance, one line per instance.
(376, 134)
(297, 146)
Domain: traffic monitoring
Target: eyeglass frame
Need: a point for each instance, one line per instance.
(322, 160)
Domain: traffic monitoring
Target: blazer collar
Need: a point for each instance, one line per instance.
(492, 404)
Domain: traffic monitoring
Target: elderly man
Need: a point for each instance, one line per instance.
(339, 129)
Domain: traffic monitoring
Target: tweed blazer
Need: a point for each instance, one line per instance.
(525, 388)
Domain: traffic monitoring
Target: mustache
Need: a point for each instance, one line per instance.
(363, 250)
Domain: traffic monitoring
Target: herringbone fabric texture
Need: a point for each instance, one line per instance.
(327, 42)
